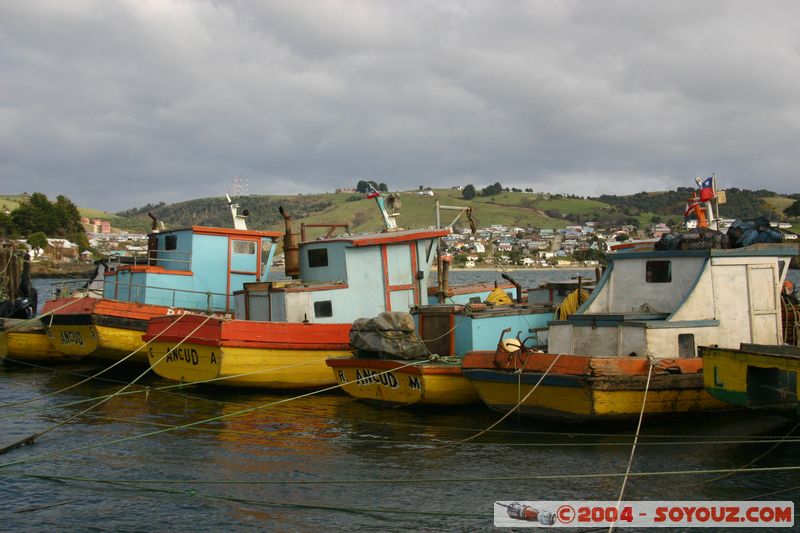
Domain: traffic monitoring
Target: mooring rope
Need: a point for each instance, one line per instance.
(30, 439)
(506, 415)
(338, 438)
(98, 374)
(375, 481)
(754, 461)
(635, 441)
(26, 321)
(190, 424)
(731, 439)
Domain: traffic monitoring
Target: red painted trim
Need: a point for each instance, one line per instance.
(311, 288)
(393, 237)
(406, 287)
(242, 272)
(149, 270)
(250, 334)
(413, 249)
(387, 292)
(228, 285)
(203, 230)
(101, 306)
(392, 364)
(377, 364)
(580, 365)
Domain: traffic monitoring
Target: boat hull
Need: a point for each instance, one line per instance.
(584, 387)
(757, 378)
(399, 383)
(240, 353)
(26, 340)
(100, 328)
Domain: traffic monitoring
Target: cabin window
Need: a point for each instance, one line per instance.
(171, 242)
(686, 345)
(323, 309)
(244, 247)
(658, 272)
(318, 258)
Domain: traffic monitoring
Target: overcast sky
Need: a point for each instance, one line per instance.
(121, 103)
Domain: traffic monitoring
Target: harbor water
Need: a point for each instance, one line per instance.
(161, 457)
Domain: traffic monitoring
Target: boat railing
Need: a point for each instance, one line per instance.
(72, 287)
(168, 259)
(134, 292)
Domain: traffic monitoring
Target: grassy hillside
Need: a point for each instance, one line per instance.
(417, 211)
(9, 203)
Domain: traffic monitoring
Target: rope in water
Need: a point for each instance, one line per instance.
(27, 321)
(338, 438)
(744, 439)
(730, 439)
(506, 415)
(755, 460)
(635, 442)
(98, 374)
(30, 439)
(190, 424)
(398, 481)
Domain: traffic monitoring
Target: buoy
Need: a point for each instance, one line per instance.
(511, 345)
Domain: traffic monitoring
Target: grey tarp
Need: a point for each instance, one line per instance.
(389, 335)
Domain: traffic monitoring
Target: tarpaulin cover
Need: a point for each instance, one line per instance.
(390, 335)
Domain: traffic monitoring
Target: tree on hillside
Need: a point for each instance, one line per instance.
(59, 218)
(362, 186)
(793, 210)
(383, 187)
(7, 227)
(469, 192)
(491, 190)
(37, 240)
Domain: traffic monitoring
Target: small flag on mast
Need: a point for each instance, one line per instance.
(707, 189)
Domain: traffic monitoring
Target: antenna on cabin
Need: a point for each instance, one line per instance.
(239, 220)
(389, 219)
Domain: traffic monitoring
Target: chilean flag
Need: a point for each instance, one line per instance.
(372, 193)
(707, 189)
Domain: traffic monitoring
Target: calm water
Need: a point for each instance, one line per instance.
(327, 462)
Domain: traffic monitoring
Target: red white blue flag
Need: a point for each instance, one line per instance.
(707, 189)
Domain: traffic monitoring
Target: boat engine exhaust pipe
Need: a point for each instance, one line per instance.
(291, 251)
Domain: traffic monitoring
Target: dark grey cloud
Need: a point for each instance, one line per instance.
(120, 103)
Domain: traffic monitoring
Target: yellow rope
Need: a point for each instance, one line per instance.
(571, 303)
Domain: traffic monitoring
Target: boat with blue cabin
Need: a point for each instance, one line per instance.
(285, 330)
(189, 269)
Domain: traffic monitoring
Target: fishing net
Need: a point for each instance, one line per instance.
(694, 239)
(758, 230)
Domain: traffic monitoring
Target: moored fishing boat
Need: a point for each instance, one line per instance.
(22, 338)
(760, 376)
(637, 335)
(763, 377)
(194, 268)
(285, 330)
(430, 372)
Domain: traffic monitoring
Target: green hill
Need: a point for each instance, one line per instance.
(509, 209)
(523, 209)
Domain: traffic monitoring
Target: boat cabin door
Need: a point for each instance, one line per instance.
(243, 264)
(764, 304)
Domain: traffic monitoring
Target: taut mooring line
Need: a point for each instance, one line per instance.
(32, 438)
